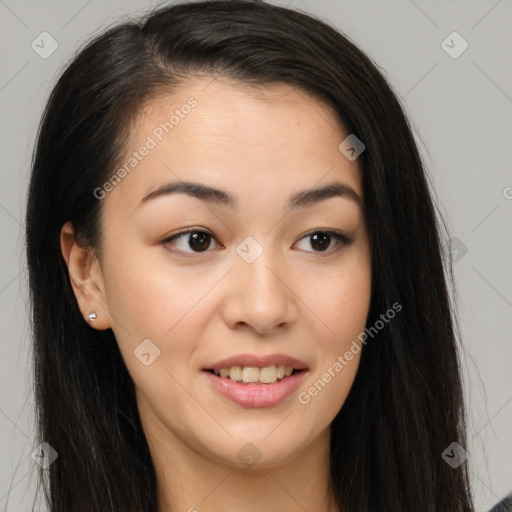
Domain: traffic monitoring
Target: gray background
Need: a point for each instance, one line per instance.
(461, 111)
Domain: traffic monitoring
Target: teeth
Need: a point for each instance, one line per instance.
(252, 374)
(268, 374)
(235, 373)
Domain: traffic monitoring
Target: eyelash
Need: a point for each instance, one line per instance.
(342, 240)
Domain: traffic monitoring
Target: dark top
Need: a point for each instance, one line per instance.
(505, 505)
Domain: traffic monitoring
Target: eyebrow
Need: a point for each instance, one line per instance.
(212, 195)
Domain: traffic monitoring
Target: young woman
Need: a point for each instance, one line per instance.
(237, 280)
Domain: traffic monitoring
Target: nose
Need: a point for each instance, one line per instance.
(260, 296)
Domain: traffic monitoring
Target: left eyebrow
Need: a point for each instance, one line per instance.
(315, 195)
(209, 194)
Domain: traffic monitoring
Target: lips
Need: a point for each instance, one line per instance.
(258, 361)
(256, 394)
(253, 396)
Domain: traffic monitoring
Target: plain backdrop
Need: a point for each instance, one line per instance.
(460, 107)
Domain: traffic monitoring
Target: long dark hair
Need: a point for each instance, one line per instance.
(406, 405)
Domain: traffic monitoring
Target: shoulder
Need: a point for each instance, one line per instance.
(505, 505)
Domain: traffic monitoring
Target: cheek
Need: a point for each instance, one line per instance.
(148, 299)
(342, 306)
(342, 303)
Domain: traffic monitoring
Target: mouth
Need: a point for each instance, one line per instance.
(254, 375)
(256, 382)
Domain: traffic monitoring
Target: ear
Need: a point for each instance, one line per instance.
(86, 278)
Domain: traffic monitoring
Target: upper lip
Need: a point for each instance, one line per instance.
(258, 361)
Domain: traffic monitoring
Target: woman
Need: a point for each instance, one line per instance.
(237, 279)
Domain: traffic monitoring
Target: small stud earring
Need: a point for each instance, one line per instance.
(92, 316)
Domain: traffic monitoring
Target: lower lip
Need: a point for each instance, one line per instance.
(256, 395)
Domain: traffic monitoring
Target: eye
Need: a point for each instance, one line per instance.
(192, 240)
(196, 241)
(321, 240)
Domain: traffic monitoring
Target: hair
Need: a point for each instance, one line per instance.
(405, 406)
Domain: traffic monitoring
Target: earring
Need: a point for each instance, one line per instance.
(92, 316)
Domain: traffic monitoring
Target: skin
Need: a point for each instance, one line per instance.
(261, 145)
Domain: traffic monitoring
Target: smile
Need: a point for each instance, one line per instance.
(255, 394)
(253, 374)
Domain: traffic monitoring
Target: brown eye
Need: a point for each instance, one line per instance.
(199, 241)
(321, 241)
(191, 241)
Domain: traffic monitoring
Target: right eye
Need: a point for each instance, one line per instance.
(191, 241)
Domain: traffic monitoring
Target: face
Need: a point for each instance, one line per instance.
(261, 273)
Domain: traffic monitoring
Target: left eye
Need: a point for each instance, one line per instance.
(321, 240)
(200, 241)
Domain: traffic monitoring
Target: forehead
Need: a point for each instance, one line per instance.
(234, 136)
